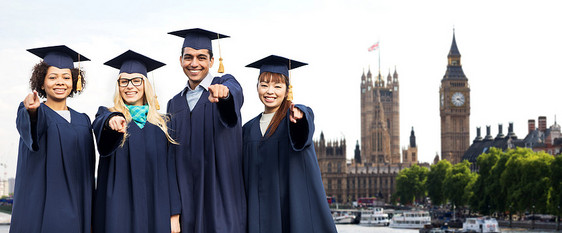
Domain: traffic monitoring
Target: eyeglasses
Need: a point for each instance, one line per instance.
(123, 82)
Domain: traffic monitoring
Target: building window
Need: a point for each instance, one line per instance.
(339, 167)
(329, 167)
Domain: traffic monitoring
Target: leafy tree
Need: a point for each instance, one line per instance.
(481, 200)
(526, 179)
(555, 201)
(435, 179)
(410, 184)
(456, 183)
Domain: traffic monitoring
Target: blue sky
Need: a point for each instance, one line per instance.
(510, 54)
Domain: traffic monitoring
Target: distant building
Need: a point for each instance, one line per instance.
(454, 108)
(410, 155)
(542, 138)
(347, 181)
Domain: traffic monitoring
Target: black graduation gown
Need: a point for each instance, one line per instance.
(55, 173)
(209, 160)
(132, 194)
(283, 182)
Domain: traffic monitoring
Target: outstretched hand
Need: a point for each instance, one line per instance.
(295, 114)
(31, 102)
(218, 91)
(118, 123)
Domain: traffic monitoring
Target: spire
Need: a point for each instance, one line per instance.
(412, 138)
(454, 51)
(389, 78)
(357, 153)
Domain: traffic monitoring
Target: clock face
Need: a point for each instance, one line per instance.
(442, 100)
(458, 99)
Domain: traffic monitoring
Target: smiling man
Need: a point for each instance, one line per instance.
(205, 121)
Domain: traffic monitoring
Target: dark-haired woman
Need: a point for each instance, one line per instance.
(283, 182)
(55, 170)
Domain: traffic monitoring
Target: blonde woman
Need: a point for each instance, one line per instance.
(136, 189)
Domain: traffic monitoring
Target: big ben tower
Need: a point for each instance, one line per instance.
(454, 103)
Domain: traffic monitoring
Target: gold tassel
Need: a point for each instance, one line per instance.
(290, 95)
(79, 82)
(156, 104)
(221, 66)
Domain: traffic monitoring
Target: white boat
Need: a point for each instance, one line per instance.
(375, 216)
(344, 217)
(410, 219)
(482, 224)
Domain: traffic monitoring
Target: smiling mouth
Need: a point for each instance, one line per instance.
(59, 90)
(269, 99)
(130, 93)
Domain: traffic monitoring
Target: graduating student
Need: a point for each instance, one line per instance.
(135, 173)
(282, 178)
(55, 171)
(205, 118)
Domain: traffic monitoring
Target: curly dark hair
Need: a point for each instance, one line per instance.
(39, 73)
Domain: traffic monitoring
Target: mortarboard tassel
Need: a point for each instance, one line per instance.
(156, 104)
(290, 95)
(221, 66)
(79, 82)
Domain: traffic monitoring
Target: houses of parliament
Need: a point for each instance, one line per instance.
(377, 158)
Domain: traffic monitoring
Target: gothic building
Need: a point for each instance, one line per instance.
(454, 95)
(347, 182)
(380, 119)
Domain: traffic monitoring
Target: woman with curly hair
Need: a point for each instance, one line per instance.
(55, 171)
(283, 183)
(137, 187)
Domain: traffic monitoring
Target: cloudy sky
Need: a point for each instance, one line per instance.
(510, 54)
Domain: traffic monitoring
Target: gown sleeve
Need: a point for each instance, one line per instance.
(229, 109)
(173, 188)
(300, 133)
(107, 139)
(31, 130)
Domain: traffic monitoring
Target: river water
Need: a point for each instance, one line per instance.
(350, 228)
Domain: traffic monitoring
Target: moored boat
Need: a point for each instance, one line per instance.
(374, 216)
(410, 219)
(482, 224)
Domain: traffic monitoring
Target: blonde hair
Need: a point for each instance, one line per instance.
(153, 116)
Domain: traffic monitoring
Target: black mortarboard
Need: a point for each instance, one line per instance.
(58, 56)
(133, 62)
(198, 38)
(276, 64)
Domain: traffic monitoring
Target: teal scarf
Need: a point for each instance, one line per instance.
(139, 114)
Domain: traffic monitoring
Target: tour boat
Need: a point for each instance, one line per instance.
(410, 219)
(482, 224)
(375, 216)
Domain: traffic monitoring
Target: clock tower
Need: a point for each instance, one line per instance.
(454, 108)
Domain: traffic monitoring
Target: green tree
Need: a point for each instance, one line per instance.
(526, 179)
(555, 201)
(434, 183)
(456, 183)
(410, 184)
(481, 200)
